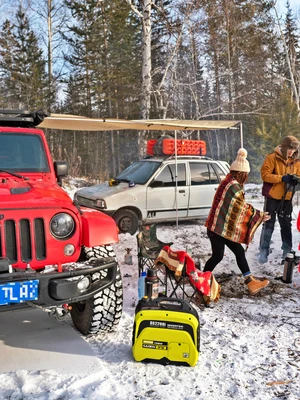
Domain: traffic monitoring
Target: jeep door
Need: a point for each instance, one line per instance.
(161, 199)
(204, 180)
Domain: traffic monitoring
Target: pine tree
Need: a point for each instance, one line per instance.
(292, 45)
(239, 65)
(270, 130)
(7, 48)
(49, 18)
(22, 64)
(105, 58)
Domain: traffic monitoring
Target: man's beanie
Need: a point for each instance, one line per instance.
(240, 163)
(289, 142)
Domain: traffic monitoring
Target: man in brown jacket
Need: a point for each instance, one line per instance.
(278, 173)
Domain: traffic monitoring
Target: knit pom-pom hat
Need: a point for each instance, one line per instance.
(241, 163)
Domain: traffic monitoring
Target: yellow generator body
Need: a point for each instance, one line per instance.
(166, 331)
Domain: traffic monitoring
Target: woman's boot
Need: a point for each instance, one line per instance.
(254, 285)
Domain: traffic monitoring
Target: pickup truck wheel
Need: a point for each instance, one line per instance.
(101, 313)
(127, 221)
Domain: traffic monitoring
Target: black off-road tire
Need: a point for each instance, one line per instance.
(102, 312)
(127, 221)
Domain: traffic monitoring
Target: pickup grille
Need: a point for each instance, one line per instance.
(23, 240)
(83, 201)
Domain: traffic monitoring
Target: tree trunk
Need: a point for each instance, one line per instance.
(145, 17)
(112, 164)
(50, 56)
(294, 87)
(229, 54)
(146, 69)
(146, 59)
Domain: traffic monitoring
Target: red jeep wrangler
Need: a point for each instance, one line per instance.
(54, 255)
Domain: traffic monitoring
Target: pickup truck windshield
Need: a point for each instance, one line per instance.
(22, 152)
(139, 172)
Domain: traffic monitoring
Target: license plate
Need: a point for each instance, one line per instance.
(18, 292)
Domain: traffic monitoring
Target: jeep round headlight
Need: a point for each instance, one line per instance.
(62, 225)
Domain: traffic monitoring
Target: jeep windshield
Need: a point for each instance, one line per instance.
(139, 172)
(22, 152)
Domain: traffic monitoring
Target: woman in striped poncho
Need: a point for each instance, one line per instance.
(232, 221)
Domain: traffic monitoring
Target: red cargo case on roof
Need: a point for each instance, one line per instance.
(184, 147)
(150, 147)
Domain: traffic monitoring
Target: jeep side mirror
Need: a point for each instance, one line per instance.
(155, 184)
(61, 170)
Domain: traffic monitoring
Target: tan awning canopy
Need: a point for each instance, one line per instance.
(77, 123)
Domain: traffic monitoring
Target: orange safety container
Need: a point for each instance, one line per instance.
(184, 147)
(150, 147)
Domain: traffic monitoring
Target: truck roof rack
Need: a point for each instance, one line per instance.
(21, 118)
(180, 157)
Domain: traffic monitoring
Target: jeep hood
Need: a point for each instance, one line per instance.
(17, 193)
(103, 190)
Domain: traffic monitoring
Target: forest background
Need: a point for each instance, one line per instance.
(140, 59)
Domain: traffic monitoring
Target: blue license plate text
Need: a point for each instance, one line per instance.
(18, 292)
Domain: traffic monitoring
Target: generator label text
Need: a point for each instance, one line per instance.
(155, 344)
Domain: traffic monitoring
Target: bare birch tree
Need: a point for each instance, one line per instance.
(145, 17)
(50, 18)
(292, 72)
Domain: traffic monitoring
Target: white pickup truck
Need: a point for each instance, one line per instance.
(157, 189)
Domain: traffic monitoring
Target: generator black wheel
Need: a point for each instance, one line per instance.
(102, 312)
(127, 221)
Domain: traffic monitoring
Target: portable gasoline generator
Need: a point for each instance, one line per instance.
(166, 331)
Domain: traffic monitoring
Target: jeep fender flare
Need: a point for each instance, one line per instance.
(97, 228)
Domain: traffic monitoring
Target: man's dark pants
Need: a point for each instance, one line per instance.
(283, 210)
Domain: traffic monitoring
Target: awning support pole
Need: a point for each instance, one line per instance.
(241, 132)
(176, 205)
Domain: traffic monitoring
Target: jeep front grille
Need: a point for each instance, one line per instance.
(28, 236)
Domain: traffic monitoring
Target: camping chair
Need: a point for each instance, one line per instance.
(149, 246)
(180, 286)
(183, 280)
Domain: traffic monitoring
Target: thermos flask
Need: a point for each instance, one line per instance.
(151, 284)
(289, 264)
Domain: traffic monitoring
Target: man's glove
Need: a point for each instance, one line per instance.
(287, 178)
(295, 180)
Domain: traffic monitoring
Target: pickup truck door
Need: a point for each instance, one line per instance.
(161, 199)
(204, 180)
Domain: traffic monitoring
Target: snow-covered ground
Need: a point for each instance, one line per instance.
(249, 345)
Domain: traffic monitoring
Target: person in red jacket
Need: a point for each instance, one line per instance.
(278, 173)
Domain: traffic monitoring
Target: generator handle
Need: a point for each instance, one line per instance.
(169, 303)
(166, 304)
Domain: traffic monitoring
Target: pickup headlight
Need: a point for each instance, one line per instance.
(62, 225)
(100, 203)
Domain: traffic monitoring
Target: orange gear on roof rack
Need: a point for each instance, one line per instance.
(184, 147)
